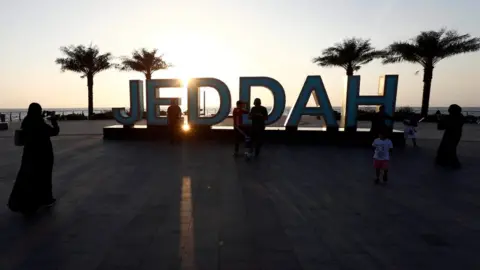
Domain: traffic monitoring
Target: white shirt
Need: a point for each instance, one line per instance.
(409, 132)
(382, 149)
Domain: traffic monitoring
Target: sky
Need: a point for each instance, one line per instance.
(225, 39)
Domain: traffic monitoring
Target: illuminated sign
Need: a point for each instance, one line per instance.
(313, 85)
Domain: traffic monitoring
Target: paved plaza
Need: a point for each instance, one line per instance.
(151, 205)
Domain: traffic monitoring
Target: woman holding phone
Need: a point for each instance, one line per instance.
(33, 186)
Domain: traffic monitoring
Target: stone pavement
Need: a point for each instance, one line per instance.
(150, 205)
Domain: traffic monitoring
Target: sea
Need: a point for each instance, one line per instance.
(13, 115)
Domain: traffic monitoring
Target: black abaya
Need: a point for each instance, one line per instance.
(447, 151)
(33, 186)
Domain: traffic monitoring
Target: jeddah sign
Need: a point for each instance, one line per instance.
(313, 85)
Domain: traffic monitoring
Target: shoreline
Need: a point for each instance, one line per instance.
(14, 115)
(471, 132)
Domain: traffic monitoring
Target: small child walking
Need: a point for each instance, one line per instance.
(382, 149)
(410, 131)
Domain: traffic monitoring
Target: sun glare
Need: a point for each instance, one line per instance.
(185, 81)
(186, 127)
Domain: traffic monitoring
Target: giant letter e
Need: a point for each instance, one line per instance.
(154, 100)
(193, 100)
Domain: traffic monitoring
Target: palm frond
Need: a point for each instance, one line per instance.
(402, 51)
(145, 61)
(350, 53)
(429, 47)
(85, 60)
(453, 43)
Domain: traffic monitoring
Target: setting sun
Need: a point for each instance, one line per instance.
(186, 127)
(185, 81)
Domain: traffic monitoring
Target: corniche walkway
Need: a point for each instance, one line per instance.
(425, 130)
(151, 205)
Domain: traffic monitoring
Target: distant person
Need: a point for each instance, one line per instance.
(453, 125)
(410, 130)
(438, 114)
(258, 115)
(174, 114)
(239, 128)
(33, 186)
(382, 149)
(378, 121)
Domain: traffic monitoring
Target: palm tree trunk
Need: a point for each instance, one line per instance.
(148, 76)
(349, 71)
(90, 95)
(427, 84)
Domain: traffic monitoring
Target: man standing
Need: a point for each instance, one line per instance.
(258, 115)
(174, 114)
(378, 122)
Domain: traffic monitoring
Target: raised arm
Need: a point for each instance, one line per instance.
(442, 123)
(54, 129)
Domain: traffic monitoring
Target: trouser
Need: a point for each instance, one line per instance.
(257, 139)
(239, 137)
(174, 130)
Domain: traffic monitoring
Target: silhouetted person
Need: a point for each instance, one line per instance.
(438, 114)
(453, 125)
(33, 186)
(258, 115)
(410, 129)
(239, 129)
(174, 114)
(378, 122)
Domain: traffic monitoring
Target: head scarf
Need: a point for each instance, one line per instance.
(34, 116)
(454, 109)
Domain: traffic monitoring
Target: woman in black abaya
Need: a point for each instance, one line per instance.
(453, 125)
(33, 186)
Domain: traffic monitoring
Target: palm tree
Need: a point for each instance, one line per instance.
(350, 54)
(85, 60)
(144, 61)
(427, 49)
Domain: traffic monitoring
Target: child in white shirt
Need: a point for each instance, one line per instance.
(383, 148)
(410, 131)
